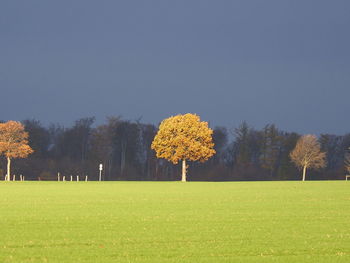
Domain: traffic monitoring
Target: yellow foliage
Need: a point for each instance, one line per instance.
(184, 137)
(14, 140)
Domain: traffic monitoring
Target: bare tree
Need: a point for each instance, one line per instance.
(307, 154)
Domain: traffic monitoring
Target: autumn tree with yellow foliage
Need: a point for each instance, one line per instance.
(13, 143)
(184, 137)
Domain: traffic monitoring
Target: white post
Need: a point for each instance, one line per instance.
(86, 179)
(100, 168)
(14, 177)
(58, 176)
(77, 178)
(71, 178)
(23, 177)
(64, 178)
(20, 178)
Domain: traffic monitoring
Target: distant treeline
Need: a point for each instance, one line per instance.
(123, 147)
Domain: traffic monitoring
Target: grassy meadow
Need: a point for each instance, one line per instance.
(175, 222)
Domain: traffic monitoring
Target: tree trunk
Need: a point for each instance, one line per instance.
(304, 172)
(8, 169)
(157, 170)
(122, 158)
(183, 171)
(110, 164)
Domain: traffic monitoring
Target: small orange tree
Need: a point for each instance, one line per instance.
(13, 143)
(184, 137)
(307, 154)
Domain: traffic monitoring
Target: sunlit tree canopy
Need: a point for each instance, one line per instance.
(184, 137)
(13, 142)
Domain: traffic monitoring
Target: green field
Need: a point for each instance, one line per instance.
(175, 222)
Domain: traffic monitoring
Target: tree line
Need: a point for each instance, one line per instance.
(124, 149)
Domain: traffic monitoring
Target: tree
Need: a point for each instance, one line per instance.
(245, 153)
(270, 149)
(127, 149)
(72, 146)
(286, 168)
(13, 142)
(307, 154)
(76, 139)
(102, 148)
(242, 144)
(220, 139)
(347, 161)
(148, 159)
(38, 137)
(184, 137)
(332, 145)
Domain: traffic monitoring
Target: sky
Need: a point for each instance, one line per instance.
(281, 62)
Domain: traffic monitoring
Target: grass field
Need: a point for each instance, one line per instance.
(175, 222)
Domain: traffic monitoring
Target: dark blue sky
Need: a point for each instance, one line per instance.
(282, 62)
